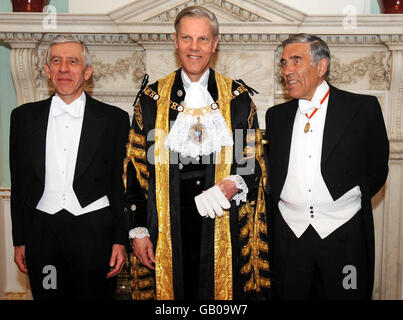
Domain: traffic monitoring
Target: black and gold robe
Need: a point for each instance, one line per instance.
(234, 247)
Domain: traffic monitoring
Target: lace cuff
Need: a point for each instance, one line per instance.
(243, 189)
(138, 233)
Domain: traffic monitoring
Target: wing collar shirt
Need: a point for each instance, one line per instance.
(305, 199)
(62, 141)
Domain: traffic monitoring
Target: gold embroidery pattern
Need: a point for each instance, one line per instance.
(136, 155)
(254, 227)
(137, 138)
(222, 235)
(260, 156)
(252, 113)
(163, 257)
(135, 152)
(138, 114)
(249, 151)
(142, 279)
(142, 282)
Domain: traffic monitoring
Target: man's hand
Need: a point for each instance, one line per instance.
(210, 203)
(143, 249)
(228, 188)
(19, 258)
(118, 259)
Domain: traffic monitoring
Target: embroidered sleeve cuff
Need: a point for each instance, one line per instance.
(243, 189)
(138, 233)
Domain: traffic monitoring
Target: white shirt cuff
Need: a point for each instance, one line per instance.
(241, 185)
(139, 233)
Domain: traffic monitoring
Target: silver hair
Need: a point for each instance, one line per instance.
(318, 48)
(64, 38)
(197, 11)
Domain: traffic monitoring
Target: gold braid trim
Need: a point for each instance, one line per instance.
(249, 151)
(142, 282)
(260, 156)
(134, 152)
(139, 153)
(255, 225)
(163, 257)
(251, 114)
(222, 235)
(138, 114)
(137, 138)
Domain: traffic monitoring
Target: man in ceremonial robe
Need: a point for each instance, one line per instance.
(194, 176)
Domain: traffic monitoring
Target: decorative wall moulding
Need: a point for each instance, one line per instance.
(227, 38)
(226, 10)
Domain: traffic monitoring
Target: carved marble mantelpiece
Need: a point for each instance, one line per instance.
(367, 57)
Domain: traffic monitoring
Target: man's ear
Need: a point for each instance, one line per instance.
(47, 70)
(176, 40)
(88, 72)
(216, 40)
(322, 67)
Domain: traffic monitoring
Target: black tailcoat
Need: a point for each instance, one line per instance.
(355, 151)
(98, 168)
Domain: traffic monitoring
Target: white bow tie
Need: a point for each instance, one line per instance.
(308, 105)
(75, 109)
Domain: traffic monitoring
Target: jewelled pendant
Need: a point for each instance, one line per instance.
(197, 132)
(307, 127)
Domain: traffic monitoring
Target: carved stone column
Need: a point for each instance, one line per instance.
(14, 285)
(22, 61)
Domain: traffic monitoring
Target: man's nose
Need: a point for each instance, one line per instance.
(194, 45)
(287, 69)
(64, 66)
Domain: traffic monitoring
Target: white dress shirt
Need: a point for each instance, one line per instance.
(305, 199)
(62, 141)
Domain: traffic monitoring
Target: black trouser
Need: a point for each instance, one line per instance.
(192, 184)
(309, 267)
(75, 249)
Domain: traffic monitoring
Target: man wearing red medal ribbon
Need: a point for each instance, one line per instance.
(327, 157)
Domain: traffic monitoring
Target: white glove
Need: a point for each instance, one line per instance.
(212, 202)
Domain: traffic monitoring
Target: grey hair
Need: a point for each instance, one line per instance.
(318, 48)
(64, 38)
(197, 11)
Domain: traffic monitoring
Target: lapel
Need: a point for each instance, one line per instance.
(177, 94)
(37, 127)
(94, 125)
(287, 122)
(212, 85)
(340, 111)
